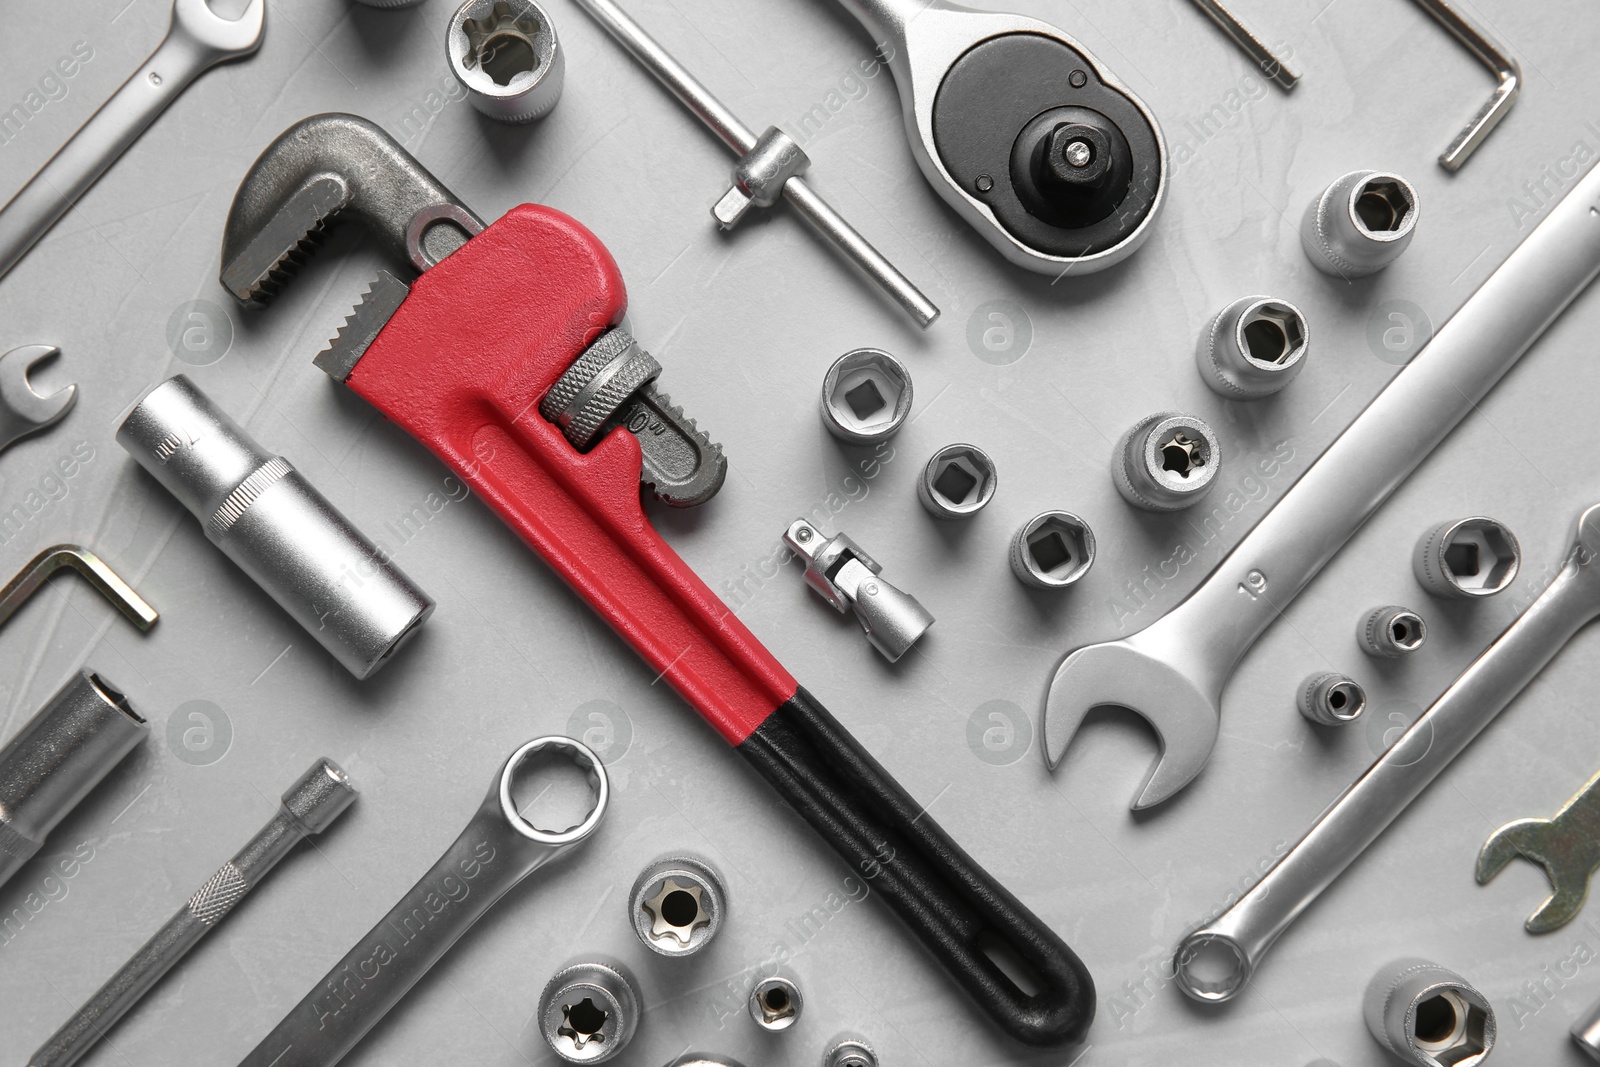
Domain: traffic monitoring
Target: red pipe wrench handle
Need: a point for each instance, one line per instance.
(462, 366)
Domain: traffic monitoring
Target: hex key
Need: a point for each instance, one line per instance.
(94, 570)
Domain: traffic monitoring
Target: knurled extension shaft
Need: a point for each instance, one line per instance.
(308, 807)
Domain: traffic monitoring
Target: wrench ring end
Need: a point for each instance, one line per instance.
(578, 753)
(1211, 967)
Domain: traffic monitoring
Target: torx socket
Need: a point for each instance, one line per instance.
(58, 757)
(589, 1010)
(1332, 699)
(1428, 1015)
(308, 807)
(1360, 224)
(1391, 632)
(1254, 347)
(1166, 462)
(269, 520)
(677, 904)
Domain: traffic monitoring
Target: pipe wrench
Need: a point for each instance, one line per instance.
(504, 357)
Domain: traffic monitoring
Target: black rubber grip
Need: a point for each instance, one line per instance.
(960, 913)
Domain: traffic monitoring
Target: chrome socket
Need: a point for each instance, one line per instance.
(849, 1052)
(57, 758)
(1166, 462)
(507, 57)
(1586, 1032)
(263, 515)
(958, 481)
(1255, 346)
(1428, 1015)
(1467, 558)
(1052, 550)
(866, 396)
(848, 579)
(1360, 224)
(1332, 699)
(775, 1003)
(1390, 632)
(677, 904)
(589, 1011)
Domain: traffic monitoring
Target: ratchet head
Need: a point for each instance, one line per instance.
(225, 38)
(22, 411)
(326, 167)
(1118, 674)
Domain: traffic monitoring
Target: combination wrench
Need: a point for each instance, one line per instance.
(197, 39)
(23, 411)
(1216, 961)
(498, 849)
(1034, 143)
(1173, 671)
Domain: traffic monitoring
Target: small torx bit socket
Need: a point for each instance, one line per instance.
(308, 807)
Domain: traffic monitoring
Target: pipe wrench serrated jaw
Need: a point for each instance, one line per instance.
(334, 165)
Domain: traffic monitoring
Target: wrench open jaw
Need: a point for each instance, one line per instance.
(1131, 674)
(1567, 846)
(22, 409)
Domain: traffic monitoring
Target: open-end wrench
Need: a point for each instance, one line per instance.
(1047, 155)
(475, 359)
(1173, 671)
(197, 39)
(1567, 846)
(1216, 961)
(498, 849)
(22, 411)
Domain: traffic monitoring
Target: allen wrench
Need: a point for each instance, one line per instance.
(95, 572)
(1507, 72)
(1252, 46)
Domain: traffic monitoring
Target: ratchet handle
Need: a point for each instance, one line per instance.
(77, 164)
(965, 918)
(478, 869)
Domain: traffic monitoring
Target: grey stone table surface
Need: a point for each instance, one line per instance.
(1043, 375)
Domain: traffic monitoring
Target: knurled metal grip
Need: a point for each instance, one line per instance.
(597, 385)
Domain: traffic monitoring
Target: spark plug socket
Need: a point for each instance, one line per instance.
(57, 759)
(270, 521)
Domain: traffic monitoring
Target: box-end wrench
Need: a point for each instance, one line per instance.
(498, 849)
(23, 411)
(1173, 671)
(1215, 962)
(197, 39)
(481, 359)
(1043, 152)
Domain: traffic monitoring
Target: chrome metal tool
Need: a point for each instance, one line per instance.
(770, 168)
(197, 40)
(94, 570)
(1216, 961)
(1567, 846)
(499, 848)
(307, 808)
(849, 579)
(1045, 153)
(1250, 44)
(23, 411)
(1173, 671)
(1506, 70)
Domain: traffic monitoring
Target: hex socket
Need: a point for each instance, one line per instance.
(1360, 224)
(1428, 1015)
(1052, 550)
(1254, 347)
(1467, 558)
(269, 520)
(866, 396)
(1391, 631)
(1332, 699)
(507, 57)
(1166, 462)
(958, 481)
(57, 758)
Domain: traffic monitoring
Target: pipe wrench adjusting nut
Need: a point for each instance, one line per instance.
(1255, 346)
(506, 56)
(1429, 1016)
(1166, 462)
(1360, 224)
(269, 520)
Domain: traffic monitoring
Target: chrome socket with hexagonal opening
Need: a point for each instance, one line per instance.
(848, 579)
(1467, 558)
(1360, 224)
(1166, 462)
(1429, 1016)
(1390, 632)
(1052, 550)
(1332, 699)
(1255, 346)
(775, 1003)
(957, 482)
(866, 396)
(506, 56)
